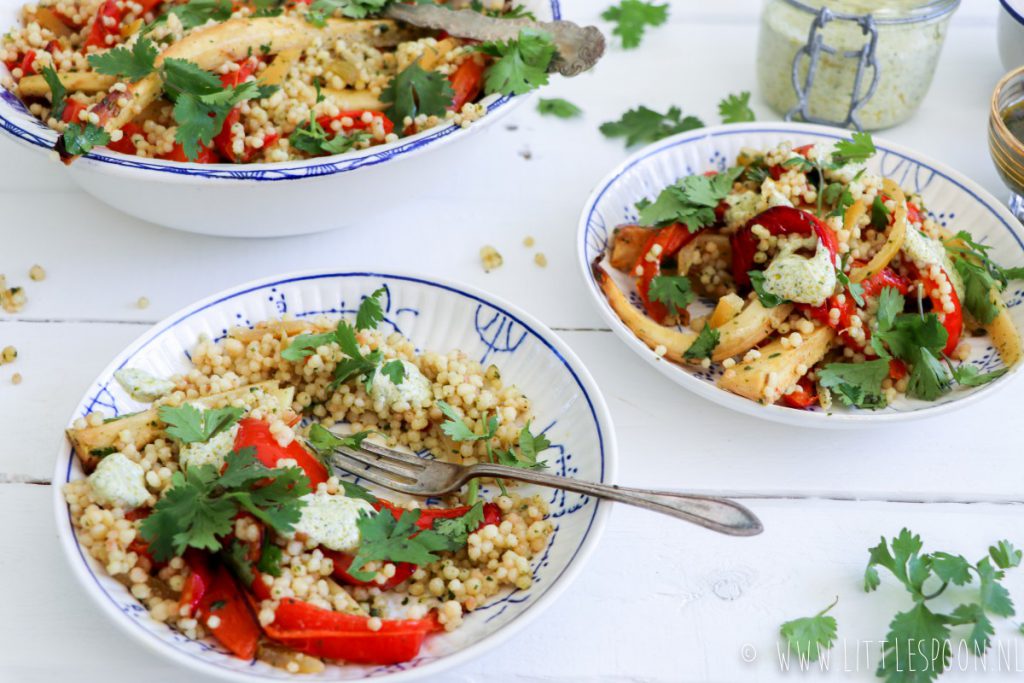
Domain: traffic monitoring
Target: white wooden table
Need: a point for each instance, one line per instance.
(660, 600)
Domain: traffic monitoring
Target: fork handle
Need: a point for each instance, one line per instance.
(718, 514)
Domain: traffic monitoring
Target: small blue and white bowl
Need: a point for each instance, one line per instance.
(952, 199)
(263, 199)
(435, 315)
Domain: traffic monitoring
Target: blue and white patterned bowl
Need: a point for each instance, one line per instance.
(258, 200)
(953, 200)
(435, 315)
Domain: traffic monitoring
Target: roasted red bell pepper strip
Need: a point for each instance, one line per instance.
(246, 68)
(71, 109)
(237, 628)
(335, 635)
(198, 581)
(778, 220)
(467, 81)
(26, 65)
(664, 243)
(207, 155)
(253, 433)
(803, 397)
(100, 29)
(125, 144)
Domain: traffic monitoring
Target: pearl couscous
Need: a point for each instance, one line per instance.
(830, 282)
(300, 78)
(219, 510)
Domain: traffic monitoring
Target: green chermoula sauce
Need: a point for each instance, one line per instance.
(906, 53)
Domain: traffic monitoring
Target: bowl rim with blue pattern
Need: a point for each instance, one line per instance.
(501, 329)
(17, 122)
(651, 166)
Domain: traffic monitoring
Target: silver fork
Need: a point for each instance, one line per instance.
(408, 473)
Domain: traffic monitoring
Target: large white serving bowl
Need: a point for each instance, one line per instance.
(435, 315)
(952, 199)
(257, 200)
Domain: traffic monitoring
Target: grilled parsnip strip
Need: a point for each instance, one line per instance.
(748, 329)
(74, 81)
(894, 240)
(353, 99)
(91, 443)
(778, 368)
(230, 41)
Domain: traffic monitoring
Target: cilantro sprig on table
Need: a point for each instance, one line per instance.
(644, 125)
(808, 637)
(414, 91)
(736, 108)
(926, 576)
(187, 424)
(200, 507)
(691, 200)
(356, 364)
(631, 19)
(563, 109)
(919, 644)
(520, 65)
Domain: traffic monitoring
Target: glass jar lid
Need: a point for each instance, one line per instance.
(883, 11)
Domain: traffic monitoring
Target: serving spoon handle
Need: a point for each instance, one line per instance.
(579, 47)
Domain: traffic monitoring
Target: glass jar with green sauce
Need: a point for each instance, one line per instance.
(853, 63)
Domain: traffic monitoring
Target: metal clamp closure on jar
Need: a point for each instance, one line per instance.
(815, 45)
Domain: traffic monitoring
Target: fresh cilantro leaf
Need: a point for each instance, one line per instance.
(196, 13)
(237, 558)
(691, 200)
(414, 91)
(704, 345)
(842, 202)
(344, 142)
(531, 445)
(394, 370)
(182, 76)
(187, 424)
(457, 529)
(857, 384)
(325, 442)
(305, 345)
(1005, 555)
(80, 138)
(855, 289)
(353, 9)
(133, 63)
(643, 125)
(969, 376)
(890, 304)
(58, 93)
(859, 148)
(810, 636)
(672, 290)
(270, 558)
(371, 311)
(632, 17)
(188, 515)
(978, 290)
(917, 635)
(767, 299)
(353, 490)
(514, 12)
(756, 172)
(993, 595)
(980, 636)
(456, 429)
(311, 138)
(521, 64)
(928, 378)
(879, 214)
(197, 123)
(563, 109)
(383, 538)
(951, 568)
(736, 108)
